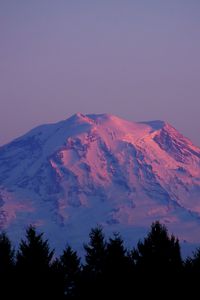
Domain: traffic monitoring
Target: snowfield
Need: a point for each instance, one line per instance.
(99, 169)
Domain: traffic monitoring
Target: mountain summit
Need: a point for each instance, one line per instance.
(100, 169)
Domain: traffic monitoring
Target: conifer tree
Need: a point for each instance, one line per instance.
(95, 251)
(116, 253)
(6, 254)
(6, 266)
(92, 275)
(118, 268)
(159, 251)
(70, 268)
(34, 265)
(158, 260)
(195, 261)
(192, 273)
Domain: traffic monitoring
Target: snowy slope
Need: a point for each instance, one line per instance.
(69, 176)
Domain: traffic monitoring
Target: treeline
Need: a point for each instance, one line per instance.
(154, 268)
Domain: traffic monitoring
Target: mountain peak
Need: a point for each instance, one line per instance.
(99, 168)
(79, 117)
(156, 124)
(113, 120)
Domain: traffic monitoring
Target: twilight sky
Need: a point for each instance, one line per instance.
(138, 59)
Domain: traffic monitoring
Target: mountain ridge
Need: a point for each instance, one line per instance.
(89, 169)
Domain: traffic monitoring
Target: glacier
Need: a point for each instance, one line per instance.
(67, 177)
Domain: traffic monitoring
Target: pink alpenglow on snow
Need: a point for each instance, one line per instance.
(99, 169)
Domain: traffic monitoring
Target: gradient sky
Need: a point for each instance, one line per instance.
(138, 59)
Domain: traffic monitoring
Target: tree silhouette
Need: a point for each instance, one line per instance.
(192, 273)
(6, 266)
(195, 261)
(34, 265)
(70, 268)
(6, 254)
(117, 268)
(92, 274)
(158, 258)
(116, 254)
(109, 271)
(95, 251)
(159, 250)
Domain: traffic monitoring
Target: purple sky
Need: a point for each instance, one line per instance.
(138, 59)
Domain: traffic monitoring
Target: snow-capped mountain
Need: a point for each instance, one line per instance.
(99, 169)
